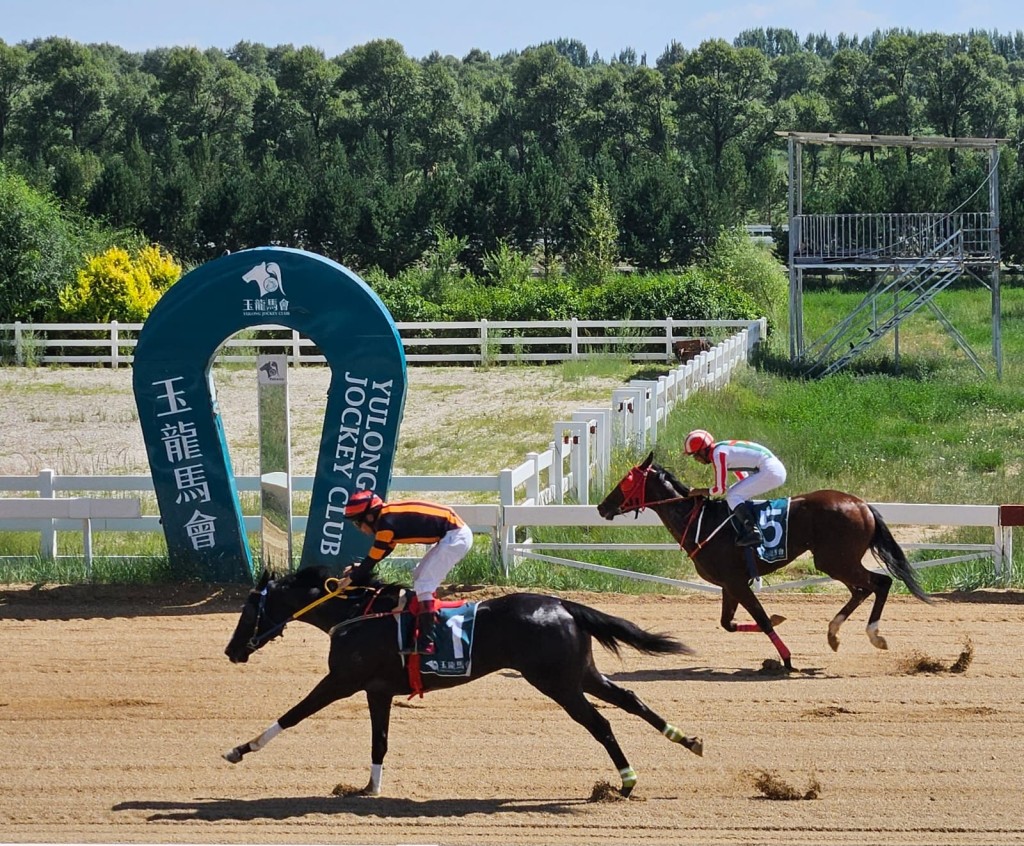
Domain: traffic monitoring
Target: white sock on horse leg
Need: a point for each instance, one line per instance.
(265, 738)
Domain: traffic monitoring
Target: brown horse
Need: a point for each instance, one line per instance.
(836, 528)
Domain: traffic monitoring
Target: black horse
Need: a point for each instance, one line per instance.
(836, 528)
(546, 639)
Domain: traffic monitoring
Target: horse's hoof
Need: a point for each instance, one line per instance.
(876, 639)
(232, 757)
(696, 746)
(370, 790)
(833, 641)
(777, 620)
(626, 790)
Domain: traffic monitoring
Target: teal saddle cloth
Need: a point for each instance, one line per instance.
(453, 640)
(772, 516)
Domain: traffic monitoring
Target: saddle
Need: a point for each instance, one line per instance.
(453, 639)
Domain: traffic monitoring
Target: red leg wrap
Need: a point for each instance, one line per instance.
(779, 645)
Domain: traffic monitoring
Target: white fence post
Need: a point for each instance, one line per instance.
(504, 534)
(670, 353)
(574, 335)
(483, 342)
(19, 353)
(599, 421)
(47, 538)
(115, 352)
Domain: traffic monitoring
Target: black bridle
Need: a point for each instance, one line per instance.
(339, 588)
(257, 639)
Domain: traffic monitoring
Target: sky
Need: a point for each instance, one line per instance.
(454, 27)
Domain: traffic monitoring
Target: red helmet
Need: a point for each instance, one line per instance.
(362, 503)
(697, 441)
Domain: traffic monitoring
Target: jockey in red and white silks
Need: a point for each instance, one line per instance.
(756, 468)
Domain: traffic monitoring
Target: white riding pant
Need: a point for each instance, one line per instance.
(769, 475)
(439, 561)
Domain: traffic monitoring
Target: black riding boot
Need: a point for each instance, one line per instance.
(747, 532)
(425, 621)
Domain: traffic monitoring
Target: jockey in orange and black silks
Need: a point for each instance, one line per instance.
(756, 468)
(411, 521)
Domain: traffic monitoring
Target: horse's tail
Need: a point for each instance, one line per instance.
(890, 553)
(611, 631)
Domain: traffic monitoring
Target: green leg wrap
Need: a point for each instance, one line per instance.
(672, 733)
(628, 775)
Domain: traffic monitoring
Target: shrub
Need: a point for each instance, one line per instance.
(38, 252)
(738, 261)
(116, 286)
(690, 295)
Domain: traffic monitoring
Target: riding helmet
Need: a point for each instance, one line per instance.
(362, 503)
(697, 441)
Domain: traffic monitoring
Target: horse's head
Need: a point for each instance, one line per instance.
(644, 485)
(272, 604)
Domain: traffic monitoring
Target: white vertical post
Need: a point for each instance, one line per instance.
(505, 535)
(48, 537)
(599, 421)
(483, 341)
(19, 352)
(670, 353)
(574, 333)
(87, 547)
(114, 346)
(274, 442)
(533, 480)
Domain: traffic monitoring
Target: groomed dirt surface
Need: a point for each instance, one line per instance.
(116, 705)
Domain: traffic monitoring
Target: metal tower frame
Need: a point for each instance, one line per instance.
(914, 256)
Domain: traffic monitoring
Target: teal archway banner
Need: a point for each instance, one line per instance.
(181, 424)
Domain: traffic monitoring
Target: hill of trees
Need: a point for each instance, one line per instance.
(551, 154)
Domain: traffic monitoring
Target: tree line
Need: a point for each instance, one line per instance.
(379, 160)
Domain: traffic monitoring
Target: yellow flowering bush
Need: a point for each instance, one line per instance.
(118, 286)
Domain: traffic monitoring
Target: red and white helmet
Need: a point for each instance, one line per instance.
(362, 503)
(697, 441)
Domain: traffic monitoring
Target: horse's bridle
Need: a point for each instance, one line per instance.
(634, 492)
(634, 498)
(333, 587)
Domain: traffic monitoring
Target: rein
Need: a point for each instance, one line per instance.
(368, 615)
(333, 586)
(635, 499)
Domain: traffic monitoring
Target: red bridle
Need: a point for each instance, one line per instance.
(634, 491)
(634, 498)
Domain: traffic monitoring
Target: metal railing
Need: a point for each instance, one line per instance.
(882, 238)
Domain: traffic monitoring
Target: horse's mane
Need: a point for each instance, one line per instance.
(680, 488)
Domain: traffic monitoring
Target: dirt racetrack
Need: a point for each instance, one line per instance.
(116, 704)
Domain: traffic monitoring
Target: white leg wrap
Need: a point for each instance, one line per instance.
(376, 775)
(266, 737)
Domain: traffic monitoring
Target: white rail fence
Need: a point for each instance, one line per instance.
(580, 451)
(532, 495)
(503, 521)
(467, 342)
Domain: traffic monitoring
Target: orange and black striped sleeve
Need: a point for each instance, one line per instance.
(410, 521)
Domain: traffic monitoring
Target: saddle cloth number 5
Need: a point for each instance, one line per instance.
(771, 529)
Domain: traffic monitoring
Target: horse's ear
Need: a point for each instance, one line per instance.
(264, 579)
(648, 461)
